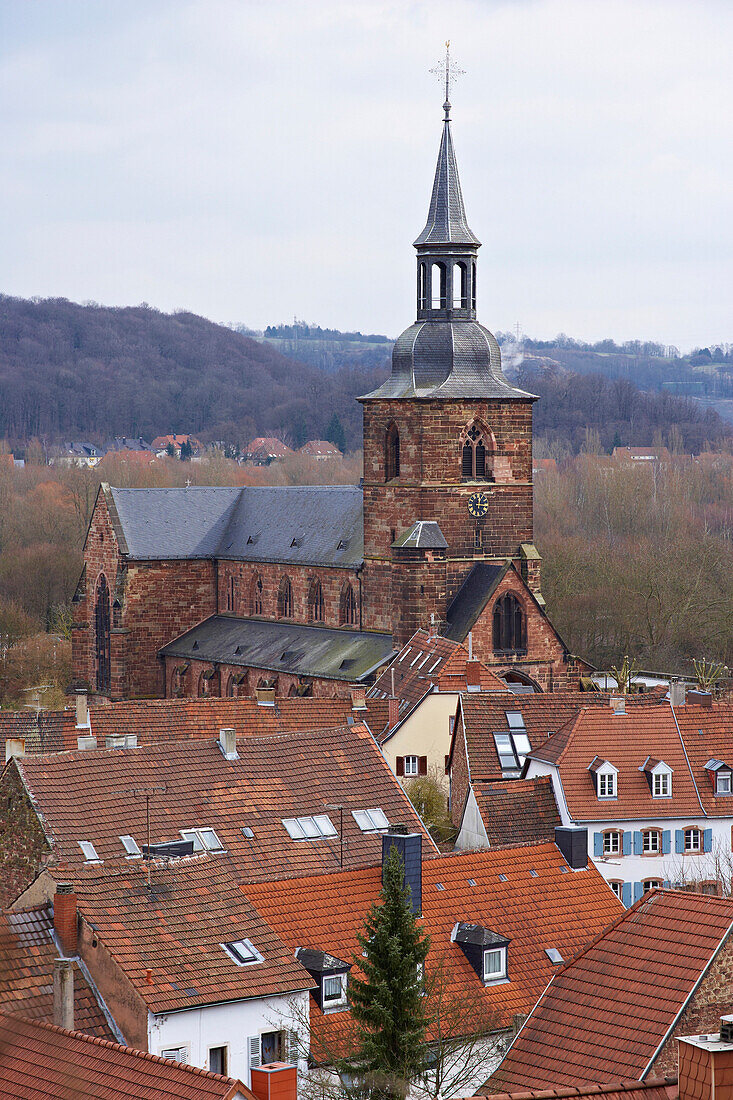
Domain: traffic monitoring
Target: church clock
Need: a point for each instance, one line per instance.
(478, 504)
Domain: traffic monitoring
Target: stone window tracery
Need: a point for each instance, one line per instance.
(347, 615)
(509, 625)
(285, 599)
(475, 464)
(316, 603)
(257, 596)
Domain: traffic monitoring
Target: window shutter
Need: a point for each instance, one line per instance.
(254, 1051)
(638, 845)
(597, 844)
(627, 849)
(679, 841)
(707, 840)
(666, 842)
(626, 894)
(292, 1047)
(422, 765)
(638, 890)
(447, 764)
(400, 765)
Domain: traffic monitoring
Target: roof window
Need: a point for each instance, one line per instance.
(532, 872)
(405, 655)
(515, 719)
(204, 840)
(309, 828)
(297, 542)
(434, 665)
(554, 955)
(512, 749)
(416, 659)
(90, 852)
(439, 886)
(242, 952)
(130, 845)
(343, 544)
(471, 882)
(370, 821)
(485, 950)
(247, 831)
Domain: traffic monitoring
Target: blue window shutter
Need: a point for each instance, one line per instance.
(707, 840)
(679, 841)
(626, 894)
(638, 890)
(638, 845)
(627, 850)
(666, 842)
(597, 844)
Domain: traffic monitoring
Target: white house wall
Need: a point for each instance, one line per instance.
(426, 732)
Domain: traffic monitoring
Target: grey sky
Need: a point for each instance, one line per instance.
(251, 161)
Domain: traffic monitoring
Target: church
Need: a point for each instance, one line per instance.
(309, 590)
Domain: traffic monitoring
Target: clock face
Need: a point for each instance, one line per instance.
(478, 504)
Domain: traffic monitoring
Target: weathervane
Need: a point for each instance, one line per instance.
(447, 72)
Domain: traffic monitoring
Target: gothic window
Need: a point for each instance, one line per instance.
(285, 599)
(178, 681)
(347, 611)
(316, 607)
(257, 596)
(510, 631)
(438, 286)
(474, 464)
(231, 593)
(102, 626)
(460, 289)
(392, 453)
(422, 289)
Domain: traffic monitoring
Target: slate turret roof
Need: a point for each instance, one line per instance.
(446, 222)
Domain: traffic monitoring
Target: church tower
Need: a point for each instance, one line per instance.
(447, 438)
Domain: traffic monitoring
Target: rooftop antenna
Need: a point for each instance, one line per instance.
(340, 808)
(147, 793)
(447, 71)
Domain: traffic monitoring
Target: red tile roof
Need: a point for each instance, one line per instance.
(27, 954)
(269, 445)
(606, 1012)
(707, 733)
(278, 776)
(654, 1088)
(552, 908)
(625, 740)
(319, 447)
(518, 811)
(38, 1061)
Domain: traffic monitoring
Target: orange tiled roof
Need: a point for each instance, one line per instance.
(27, 953)
(319, 447)
(269, 445)
(38, 1061)
(275, 777)
(606, 1012)
(654, 1088)
(625, 740)
(518, 811)
(707, 733)
(552, 908)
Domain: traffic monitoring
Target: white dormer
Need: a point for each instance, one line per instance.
(658, 776)
(605, 777)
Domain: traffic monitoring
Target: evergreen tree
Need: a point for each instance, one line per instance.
(387, 1004)
(335, 433)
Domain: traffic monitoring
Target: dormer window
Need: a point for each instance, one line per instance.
(658, 776)
(331, 977)
(720, 776)
(485, 949)
(334, 990)
(494, 964)
(662, 785)
(204, 840)
(722, 783)
(605, 777)
(607, 785)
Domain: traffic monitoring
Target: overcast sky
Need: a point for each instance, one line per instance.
(252, 161)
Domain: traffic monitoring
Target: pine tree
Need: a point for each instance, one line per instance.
(335, 433)
(387, 1005)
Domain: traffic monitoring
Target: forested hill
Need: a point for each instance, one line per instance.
(73, 371)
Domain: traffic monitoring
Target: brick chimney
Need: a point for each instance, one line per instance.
(63, 993)
(572, 840)
(64, 918)
(82, 709)
(358, 697)
(393, 713)
(275, 1081)
(706, 1064)
(473, 675)
(265, 696)
(409, 845)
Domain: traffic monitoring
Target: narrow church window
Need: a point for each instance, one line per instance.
(231, 590)
(102, 626)
(422, 290)
(473, 286)
(474, 466)
(285, 599)
(509, 627)
(347, 616)
(438, 286)
(257, 596)
(316, 604)
(460, 296)
(392, 453)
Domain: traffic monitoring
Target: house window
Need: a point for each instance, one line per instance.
(334, 990)
(606, 784)
(309, 828)
(612, 843)
(661, 785)
(391, 453)
(494, 964)
(89, 851)
(617, 887)
(370, 821)
(242, 952)
(218, 1062)
(722, 782)
(412, 765)
(175, 1054)
(204, 840)
(316, 605)
(651, 884)
(509, 627)
(651, 842)
(130, 845)
(257, 596)
(347, 610)
(693, 840)
(512, 748)
(285, 599)
(474, 466)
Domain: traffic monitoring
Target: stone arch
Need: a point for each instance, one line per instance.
(102, 635)
(438, 281)
(509, 625)
(391, 452)
(478, 447)
(285, 598)
(347, 606)
(179, 681)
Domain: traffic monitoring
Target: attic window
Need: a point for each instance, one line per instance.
(512, 749)
(90, 852)
(658, 776)
(439, 886)
(347, 662)
(554, 955)
(204, 840)
(247, 832)
(242, 952)
(297, 542)
(195, 645)
(252, 539)
(309, 828)
(604, 777)
(494, 964)
(370, 821)
(406, 654)
(416, 659)
(130, 845)
(334, 990)
(515, 719)
(533, 873)
(434, 665)
(502, 878)
(471, 882)
(723, 782)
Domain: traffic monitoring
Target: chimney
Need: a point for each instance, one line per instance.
(618, 704)
(409, 845)
(14, 746)
(473, 675)
(228, 744)
(358, 697)
(82, 709)
(275, 1081)
(86, 742)
(700, 698)
(265, 696)
(64, 918)
(63, 993)
(393, 712)
(706, 1064)
(573, 843)
(470, 645)
(677, 692)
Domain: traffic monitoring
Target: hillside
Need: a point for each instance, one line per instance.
(71, 371)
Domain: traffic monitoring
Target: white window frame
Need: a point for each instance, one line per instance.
(607, 785)
(723, 784)
(651, 851)
(331, 1002)
(244, 946)
(414, 766)
(662, 783)
(199, 843)
(171, 1052)
(89, 851)
(696, 833)
(618, 887)
(131, 846)
(495, 975)
(611, 838)
(651, 884)
(311, 827)
(368, 823)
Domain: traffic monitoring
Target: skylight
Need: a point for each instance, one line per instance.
(130, 845)
(242, 952)
(247, 831)
(515, 719)
(309, 828)
(204, 840)
(370, 821)
(90, 852)
(554, 955)
(512, 749)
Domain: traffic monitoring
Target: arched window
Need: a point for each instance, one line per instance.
(285, 599)
(231, 687)
(473, 286)
(460, 288)
(347, 609)
(510, 631)
(231, 592)
(437, 276)
(391, 453)
(256, 601)
(316, 606)
(179, 681)
(422, 286)
(102, 626)
(475, 465)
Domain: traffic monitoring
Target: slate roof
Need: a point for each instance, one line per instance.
(423, 535)
(38, 1061)
(277, 776)
(625, 740)
(606, 1012)
(518, 811)
(472, 597)
(325, 652)
(654, 1088)
(552, 908)
(175, 931)
(446, 222)
(251, 523)
(27, 953)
